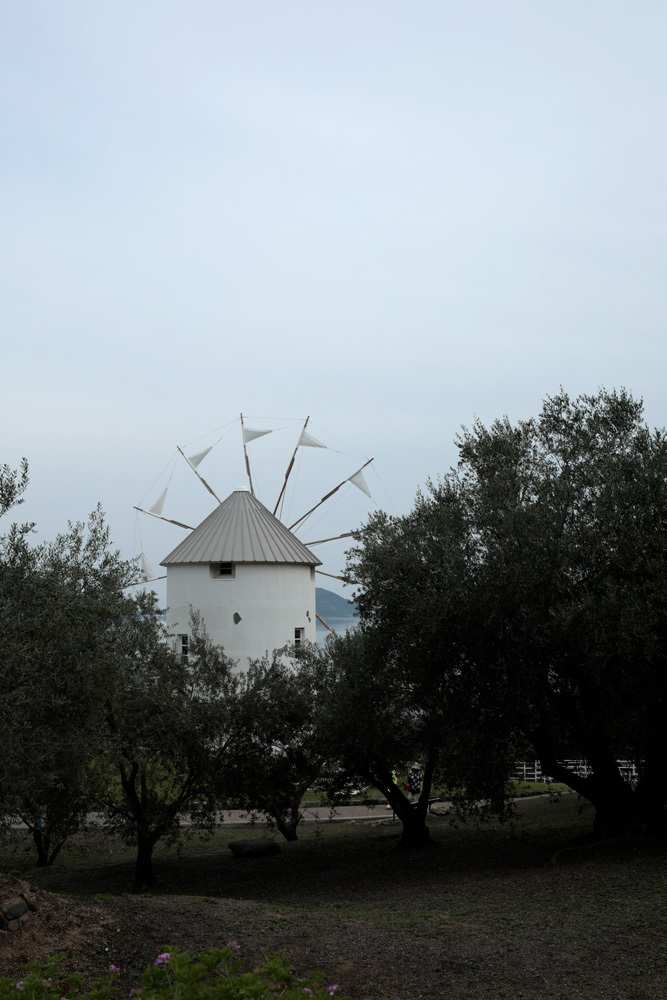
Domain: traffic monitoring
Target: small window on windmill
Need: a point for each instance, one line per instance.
(222, 570)
(298, 636)
(184, 645)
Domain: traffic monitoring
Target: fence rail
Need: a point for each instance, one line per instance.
(531, 770)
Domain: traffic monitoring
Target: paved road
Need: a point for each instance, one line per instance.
(311, 814)
(322, 814)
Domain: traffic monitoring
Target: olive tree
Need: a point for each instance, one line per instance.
(523, 602)
(63, 612)
(400, 687)
(97, 711)
(570, 513)
(283, 751)
(170, 725)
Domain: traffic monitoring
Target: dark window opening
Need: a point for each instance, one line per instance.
(222, 570)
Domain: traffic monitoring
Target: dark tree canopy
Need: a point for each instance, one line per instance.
(403, 682)
(64, 616)
(13, 484)
(525, 597)
(170, 724)
(97, 711)
(571, 517)
(282, 752)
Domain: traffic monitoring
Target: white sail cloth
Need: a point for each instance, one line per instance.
(249, 434)
(308, 441)
(358, 480)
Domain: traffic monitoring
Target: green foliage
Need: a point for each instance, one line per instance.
(400, 687)
(522, 604)
(170, 723)
(47, 981)
(13, 485)
(65, 622)
(570, 518)
(369, 724)
(97, 710)
(282, 752)
(219, 974)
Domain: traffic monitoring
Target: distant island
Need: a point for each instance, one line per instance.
(330, 605)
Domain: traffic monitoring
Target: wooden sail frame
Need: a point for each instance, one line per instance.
(245, 455)
(333, 576)
(334, 538)
(160, 517)
(290, 467)
(327, 496)
(199, 475)
(326, 625)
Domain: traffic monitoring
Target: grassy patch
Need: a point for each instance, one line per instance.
(331, 861)
(539, 788)
(491, 905)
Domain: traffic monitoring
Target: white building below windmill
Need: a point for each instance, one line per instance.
(249, 577)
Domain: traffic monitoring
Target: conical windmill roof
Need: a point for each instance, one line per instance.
(241, 529)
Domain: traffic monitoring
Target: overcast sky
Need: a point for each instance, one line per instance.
(393, 217)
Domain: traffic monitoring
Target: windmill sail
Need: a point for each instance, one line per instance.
(249, 434)
(146, 570)
(358, 480)
(159, 503)
(194, 460)
(308, 441)
(198, 474)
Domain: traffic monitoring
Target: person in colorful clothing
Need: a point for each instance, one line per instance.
(394, 780)
(415, 783)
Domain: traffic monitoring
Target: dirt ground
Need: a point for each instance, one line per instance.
(487, 913)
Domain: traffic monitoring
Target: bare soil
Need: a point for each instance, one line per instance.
(490, 912)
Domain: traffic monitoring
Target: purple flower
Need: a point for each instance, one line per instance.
(19, 985)
(331, 990)
(163, 958)
(234, 945)
(114, 968)
(46, 982)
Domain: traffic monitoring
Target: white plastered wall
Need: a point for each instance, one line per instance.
(272, 600)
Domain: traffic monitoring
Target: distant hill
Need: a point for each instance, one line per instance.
(330, 605)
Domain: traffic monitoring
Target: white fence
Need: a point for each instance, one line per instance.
(531, 771)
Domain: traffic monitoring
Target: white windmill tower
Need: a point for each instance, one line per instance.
(247, 574)
(250, 578)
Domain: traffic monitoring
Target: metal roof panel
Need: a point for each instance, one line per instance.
(241, 529)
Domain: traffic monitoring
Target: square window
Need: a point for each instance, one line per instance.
(222, 570)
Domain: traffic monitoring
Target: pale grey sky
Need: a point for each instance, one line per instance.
(390, 216)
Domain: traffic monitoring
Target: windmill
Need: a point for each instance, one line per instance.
(243, 567)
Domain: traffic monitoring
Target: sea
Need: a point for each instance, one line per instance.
(339, 625)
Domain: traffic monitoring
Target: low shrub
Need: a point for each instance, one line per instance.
(220, 974)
